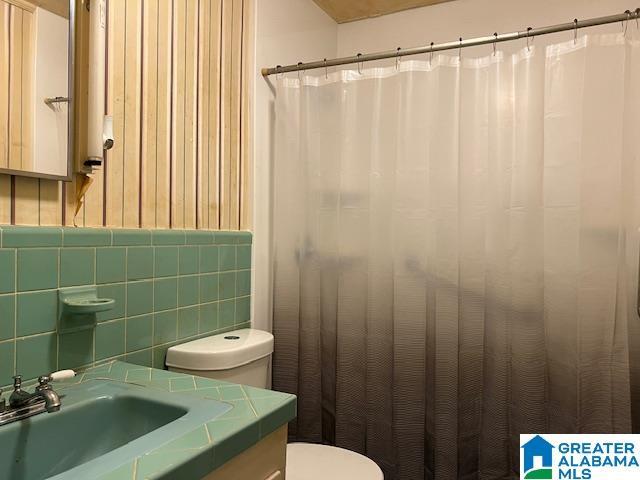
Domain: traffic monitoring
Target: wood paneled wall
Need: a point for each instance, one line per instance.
(16, 84)
(178, 72)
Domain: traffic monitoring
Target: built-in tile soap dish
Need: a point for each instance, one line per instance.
(88, 305)
(78, 307)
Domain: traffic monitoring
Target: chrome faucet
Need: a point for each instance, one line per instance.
(23, 404)
(20, 399)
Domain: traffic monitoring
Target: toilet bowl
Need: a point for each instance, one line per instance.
(244, 356)
(308, 461)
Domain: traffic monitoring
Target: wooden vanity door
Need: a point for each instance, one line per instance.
(265, 460)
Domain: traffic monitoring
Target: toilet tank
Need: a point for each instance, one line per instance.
(241, 356)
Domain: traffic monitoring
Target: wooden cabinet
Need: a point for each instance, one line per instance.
(265, 460)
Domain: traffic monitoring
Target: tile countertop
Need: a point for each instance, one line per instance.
(255, 414)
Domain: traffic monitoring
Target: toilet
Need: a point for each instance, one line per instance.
(244, 356)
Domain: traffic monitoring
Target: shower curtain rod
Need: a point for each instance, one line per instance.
(493, 39)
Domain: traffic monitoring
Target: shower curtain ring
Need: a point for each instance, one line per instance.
(460, 49)
(359, 64)
(431, 54)
(626, 23)
(528, 46)
(278, 73)
(299, 69)
(575, 31)
(495, 39)
(326, 71)
(398, 58)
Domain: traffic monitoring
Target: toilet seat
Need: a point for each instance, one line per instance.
(307, 461)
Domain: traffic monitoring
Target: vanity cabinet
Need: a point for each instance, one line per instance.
(265, 460)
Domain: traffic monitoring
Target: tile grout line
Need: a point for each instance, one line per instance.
(178, 298)
(209, 436)
(153, 305)
(95, 284)
(126, 298)
(56, 331)
(15, 310)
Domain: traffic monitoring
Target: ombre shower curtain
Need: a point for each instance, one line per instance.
(456, 254)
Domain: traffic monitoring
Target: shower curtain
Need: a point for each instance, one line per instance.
(456, 254)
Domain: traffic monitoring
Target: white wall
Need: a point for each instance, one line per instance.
(472, 18)
(287, 31)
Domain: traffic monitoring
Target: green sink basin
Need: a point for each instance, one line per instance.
(101, 424)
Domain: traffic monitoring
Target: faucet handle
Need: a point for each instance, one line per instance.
(17, 383)
(43, 382)
(62, 375)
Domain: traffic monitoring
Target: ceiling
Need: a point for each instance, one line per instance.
(347, 11)
(59, 7)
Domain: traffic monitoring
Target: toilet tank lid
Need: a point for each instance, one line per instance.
(221, 352)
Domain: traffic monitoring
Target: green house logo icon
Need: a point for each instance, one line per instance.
(537, 447)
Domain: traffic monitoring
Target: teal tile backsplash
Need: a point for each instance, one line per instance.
(76, 348)
(188, 319)
(36, 355)
(227, 285)
(209, 259)
(139, 297)
(243, 283)
(8, 270)
(227, 258)
(110, 339)
(35, 312)
(170, 286)
(166, 261)
(165, 294)
(7, 314)
(111, 265)
(20, 237)
(188, 290)
(131, 237)
(118, 292)
(77, 266)
(7, 359)
(243, 255)
(86, 237)
(139, 332)
(165, 327)
(209, 287)
(37, 268)
(168, 237)
(139, 263)
(189, 260)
